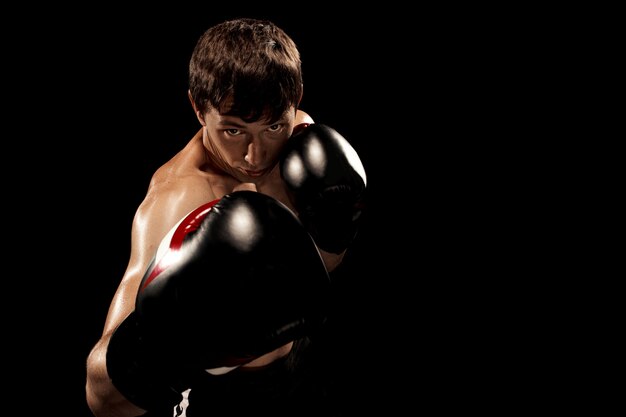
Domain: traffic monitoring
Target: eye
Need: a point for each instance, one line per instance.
(232, 132)
(275, 128)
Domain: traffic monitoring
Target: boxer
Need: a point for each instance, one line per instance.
(188, 332)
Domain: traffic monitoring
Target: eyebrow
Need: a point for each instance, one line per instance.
(227, 122)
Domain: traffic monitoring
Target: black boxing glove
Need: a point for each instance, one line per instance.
(142, 372)
(328, 182)
(235, 279)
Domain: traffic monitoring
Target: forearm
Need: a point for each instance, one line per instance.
(103, 398)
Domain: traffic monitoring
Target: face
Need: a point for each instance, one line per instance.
(247, 151)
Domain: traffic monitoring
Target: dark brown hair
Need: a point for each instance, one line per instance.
(247, 68)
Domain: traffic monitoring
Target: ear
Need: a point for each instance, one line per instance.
(195, 109)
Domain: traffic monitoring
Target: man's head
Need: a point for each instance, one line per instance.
(245, 85)
(246, 68)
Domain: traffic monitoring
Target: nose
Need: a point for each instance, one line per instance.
(254, 152)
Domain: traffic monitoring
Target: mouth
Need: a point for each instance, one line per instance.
(255, 174)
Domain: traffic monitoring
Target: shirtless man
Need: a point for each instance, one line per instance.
(245, 85)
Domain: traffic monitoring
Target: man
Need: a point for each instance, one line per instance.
(255, 149)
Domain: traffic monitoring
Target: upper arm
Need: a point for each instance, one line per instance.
(159, 212)
(144, 235)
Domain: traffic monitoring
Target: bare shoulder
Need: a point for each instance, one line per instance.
(188, 161)
(170, 197)
(176, 188)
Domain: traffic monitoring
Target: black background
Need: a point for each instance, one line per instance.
(101, 102)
